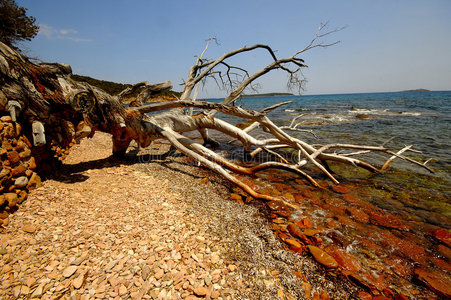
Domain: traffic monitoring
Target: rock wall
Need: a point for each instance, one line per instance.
(18, 168)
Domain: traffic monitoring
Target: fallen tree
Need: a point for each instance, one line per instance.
(55, 110)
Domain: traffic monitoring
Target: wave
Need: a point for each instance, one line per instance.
(384, 112)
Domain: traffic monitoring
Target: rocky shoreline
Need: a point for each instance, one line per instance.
(159, 228)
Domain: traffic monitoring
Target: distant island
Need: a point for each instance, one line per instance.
(417, 90)
(267, 95)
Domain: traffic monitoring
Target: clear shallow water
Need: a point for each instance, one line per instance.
(419, 118)
(385, 222)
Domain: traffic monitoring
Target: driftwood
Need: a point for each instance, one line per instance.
(55, 110)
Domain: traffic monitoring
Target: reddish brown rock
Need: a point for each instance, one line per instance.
(444, 251)
(338, 239)
(289, 197)
(385, 219)
(351, 199)
(400, 297)
(340, 189)
(280, 209)
(407, 248)
(13, 157)
(296, 232)
(304, 223)
(32, 163)
(440, 263)
(19, 170)
(311, 232)
(442, 235)
(381, 297)
(323, 257)
(22, 195)
(438, 282)
(204, 180)
(365, 296)
(346, 260)
(12, 199)
(357, 214)
(293, 243)
(2, 199)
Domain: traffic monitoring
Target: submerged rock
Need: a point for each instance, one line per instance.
(440, 283)
(323, 257)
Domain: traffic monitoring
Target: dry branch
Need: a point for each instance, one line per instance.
(44, 96)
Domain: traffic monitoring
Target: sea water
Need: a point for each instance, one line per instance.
(413, 201)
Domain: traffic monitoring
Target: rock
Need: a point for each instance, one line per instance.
(340, 189)
(201, 291)
(311, 232)
(322, 257)
(22, 196)
(2, 199)
(200, 239)
(357, 214)
(4, 172)
(445, 251)
(13, 157)
(32, 163)
(122, 290)
(385, 219)
(21, 182)
(11, 198)
(293, 243)
(400, 297)
(78, 282)
(214, 258)
(296, 232)
(289, 197)
(34, 182)
(25, 154)
(305, 223)
(29, 228)
(215, 294)
(145, 272)
(159, 274)
(346, 260)
(69, 271)
(6, 119)
(19, 170)
(442, 235)
(204, 180)
(232, 268)
(280, 209)
(438, 282)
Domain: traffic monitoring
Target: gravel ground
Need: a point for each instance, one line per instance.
(152, 228)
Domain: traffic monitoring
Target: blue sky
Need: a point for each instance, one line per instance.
(387, 45)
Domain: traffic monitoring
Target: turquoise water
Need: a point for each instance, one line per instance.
(419, 118)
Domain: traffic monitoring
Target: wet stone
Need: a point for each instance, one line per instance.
(322, 257)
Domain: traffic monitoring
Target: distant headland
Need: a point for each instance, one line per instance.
(417, 90)
(267, 95)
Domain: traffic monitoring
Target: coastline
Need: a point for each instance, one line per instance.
(164, 228)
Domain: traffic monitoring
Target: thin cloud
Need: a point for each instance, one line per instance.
(63, 34)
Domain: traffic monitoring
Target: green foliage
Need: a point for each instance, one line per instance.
(114, 88)
(110, 87)
(15, 25)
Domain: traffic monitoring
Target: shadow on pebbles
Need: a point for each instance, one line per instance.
(148, 228)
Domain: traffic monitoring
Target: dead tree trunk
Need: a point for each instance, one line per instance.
(56, 110)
